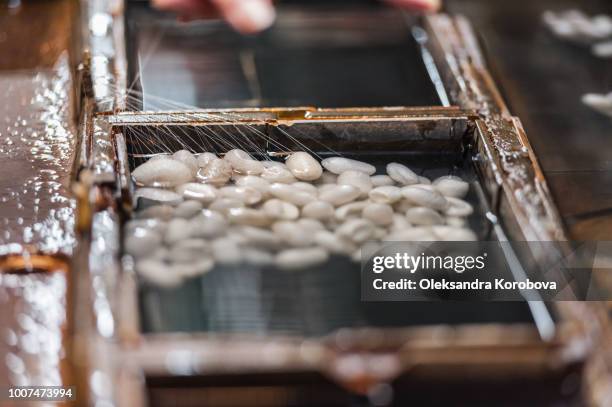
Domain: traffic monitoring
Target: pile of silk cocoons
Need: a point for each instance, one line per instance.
(198, 211)
(599, 102)
(576, 26)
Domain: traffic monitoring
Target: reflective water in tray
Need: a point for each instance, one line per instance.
(315, 301)
(308, 302)
(313, 56)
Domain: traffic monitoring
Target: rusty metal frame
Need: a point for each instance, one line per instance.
(509, 172)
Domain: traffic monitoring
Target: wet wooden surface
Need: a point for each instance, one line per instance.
(36, 208)
(543, 79)
(34, 34)
(36, 130)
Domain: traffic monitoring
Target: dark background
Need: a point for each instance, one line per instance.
(543, 79)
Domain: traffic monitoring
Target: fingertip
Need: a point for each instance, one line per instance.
(418, 5)
(435, 5)
(251, 16)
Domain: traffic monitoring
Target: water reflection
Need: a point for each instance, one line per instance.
(36, 147)
(32, 317)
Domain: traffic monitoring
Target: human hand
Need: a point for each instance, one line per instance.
(251, 16)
